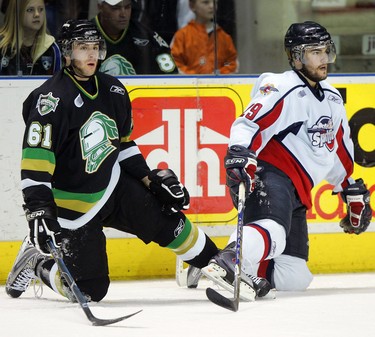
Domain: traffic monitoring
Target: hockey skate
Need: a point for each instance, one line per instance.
(220, 270)
(193, 276)
(23, 270)
(187, 277)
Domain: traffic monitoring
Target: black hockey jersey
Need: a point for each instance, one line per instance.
(76, 144)
(138, 51)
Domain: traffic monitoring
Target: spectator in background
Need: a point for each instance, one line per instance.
(184, 13)
(225, 15)
(37, 50)
(193, 46)
(132, 48)
(59, 11)
(167, 16)
(158, 15)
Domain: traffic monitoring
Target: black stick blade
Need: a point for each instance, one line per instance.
(102, 322)
(222, 301)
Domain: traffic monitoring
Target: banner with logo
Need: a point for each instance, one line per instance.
(184, 123)
(187, 127)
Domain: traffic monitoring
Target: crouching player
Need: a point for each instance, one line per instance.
(293, 135)
(82, 172)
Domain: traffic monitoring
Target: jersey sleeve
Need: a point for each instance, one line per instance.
(261, 120)
(340, 175)
(163, 61)
(38, 157)
(178, 51)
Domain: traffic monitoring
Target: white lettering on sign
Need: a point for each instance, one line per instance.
(190, 144)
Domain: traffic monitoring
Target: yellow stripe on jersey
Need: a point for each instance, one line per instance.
(75, 205)
(38, 165)
(79, 202)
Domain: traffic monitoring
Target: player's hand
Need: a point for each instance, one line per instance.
(169, 191)
(43, 226)
(359, 213)
(240, 164)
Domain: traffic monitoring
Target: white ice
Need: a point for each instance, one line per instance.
(334, 305)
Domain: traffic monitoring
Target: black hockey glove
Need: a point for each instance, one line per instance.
(240, 164)
(169, 191)
(359, 213)
(43, 226)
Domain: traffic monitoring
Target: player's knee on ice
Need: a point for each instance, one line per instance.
(96, 289)
(291, 273)
(257, 237)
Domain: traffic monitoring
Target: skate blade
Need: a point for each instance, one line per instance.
(216, 274)
(181, 273)
(271, 295)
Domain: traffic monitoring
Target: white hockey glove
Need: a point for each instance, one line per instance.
(169, 191)
(359, 213)
(43, 226)
(240, 164)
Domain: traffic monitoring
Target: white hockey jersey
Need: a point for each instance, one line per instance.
(303, 132)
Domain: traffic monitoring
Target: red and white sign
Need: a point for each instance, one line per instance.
(189, 135)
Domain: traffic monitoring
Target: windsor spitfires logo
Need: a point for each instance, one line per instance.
(47, 103)
(322, 133)
(267, 89)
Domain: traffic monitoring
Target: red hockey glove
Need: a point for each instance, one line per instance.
(240, 164)
(359, 213)
(169, 191)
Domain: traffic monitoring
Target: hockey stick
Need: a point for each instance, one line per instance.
(213, 295)
(81, 299)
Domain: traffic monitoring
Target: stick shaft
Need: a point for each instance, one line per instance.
(237, 267)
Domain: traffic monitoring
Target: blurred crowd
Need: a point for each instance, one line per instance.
(142, 36)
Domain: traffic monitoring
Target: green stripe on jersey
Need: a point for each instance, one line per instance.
(79, 202)
(36, 159)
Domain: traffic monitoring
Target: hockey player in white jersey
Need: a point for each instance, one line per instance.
(293, 135)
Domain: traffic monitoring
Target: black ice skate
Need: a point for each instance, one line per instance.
(23, 271)
(220, 270)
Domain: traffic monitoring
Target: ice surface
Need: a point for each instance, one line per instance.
(334, 305)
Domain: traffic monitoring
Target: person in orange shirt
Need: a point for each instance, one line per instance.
(193, 46)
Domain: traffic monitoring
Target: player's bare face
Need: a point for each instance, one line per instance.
(84, 59)
(115, 19)
(203, 10)
(34, 16)
(315, 64)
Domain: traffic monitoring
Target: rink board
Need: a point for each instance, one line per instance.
(132, 259)
(184, 122)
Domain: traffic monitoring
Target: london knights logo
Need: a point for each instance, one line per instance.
(117, 65)
(95, 136)
(47, 103)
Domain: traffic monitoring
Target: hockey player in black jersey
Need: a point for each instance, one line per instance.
(132, 48)
(81, 171)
